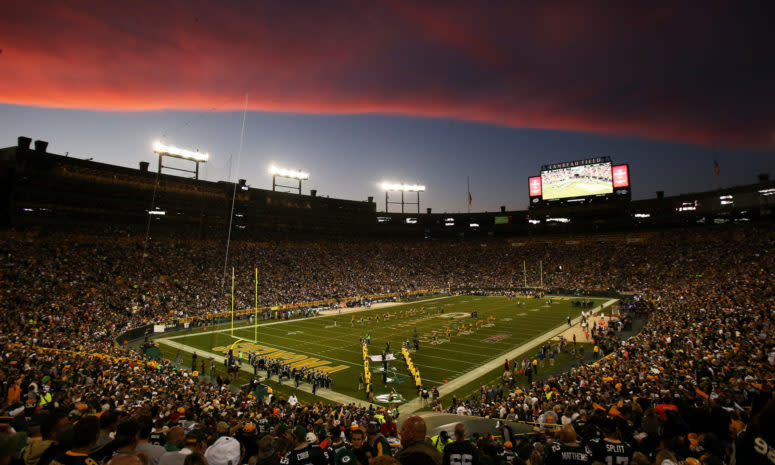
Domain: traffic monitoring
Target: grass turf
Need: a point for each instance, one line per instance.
(318, 341)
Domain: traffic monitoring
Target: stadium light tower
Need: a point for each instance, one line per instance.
(393, 187)
(176, 152)
(288, 174)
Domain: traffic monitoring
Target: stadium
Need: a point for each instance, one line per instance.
(386, 233)
(529, 329)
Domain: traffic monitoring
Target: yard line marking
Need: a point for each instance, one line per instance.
(469, 350)
(295, 350)
(299, 320)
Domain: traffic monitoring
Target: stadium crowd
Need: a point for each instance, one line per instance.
(695, 386)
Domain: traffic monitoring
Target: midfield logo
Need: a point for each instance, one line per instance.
(496, 338)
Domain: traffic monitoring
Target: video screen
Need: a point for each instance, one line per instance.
(577, 181)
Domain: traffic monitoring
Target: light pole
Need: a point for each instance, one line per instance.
(183, 154)
(402, 188)
(288, 174)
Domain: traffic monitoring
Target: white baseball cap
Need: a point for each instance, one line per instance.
(225, 451)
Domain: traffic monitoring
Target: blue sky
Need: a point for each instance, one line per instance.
(348, 155)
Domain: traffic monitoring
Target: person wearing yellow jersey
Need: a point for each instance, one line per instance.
(379, 445)
(45, 399)
(441, 440)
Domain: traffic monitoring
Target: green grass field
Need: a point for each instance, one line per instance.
(316, 342)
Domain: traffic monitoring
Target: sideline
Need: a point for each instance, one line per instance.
(414, 404)
(324, 393)
(446, 389)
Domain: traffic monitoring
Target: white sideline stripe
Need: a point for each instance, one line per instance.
(457, 342)
(445, 389)
(412, 405)
(325, 393)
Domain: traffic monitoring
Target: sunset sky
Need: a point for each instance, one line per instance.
(426, 92)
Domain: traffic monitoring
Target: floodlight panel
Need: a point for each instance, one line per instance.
(177, 152)
(293, 174)
(388, 186)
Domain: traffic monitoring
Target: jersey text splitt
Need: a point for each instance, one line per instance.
(307, 455)
(611, 451)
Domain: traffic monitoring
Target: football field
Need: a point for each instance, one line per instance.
(331, 343)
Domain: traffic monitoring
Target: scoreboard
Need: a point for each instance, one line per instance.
(580, 180)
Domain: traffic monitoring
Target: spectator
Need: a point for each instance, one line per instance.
(85, 434)
(224, 451)
(415, 449)
(153, 451)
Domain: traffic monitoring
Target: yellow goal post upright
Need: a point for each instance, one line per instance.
(232, 302)
(255, 311)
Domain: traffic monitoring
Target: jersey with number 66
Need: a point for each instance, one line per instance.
(460, 453)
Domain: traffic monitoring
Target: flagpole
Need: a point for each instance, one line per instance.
(716, 168)
(468, 189)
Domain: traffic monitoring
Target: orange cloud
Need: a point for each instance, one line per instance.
(571, 67)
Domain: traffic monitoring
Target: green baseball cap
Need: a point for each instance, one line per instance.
(345, 457)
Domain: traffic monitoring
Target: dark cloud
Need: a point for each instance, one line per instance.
(693, 72)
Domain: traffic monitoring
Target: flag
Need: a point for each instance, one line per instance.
(716, 168)
(469, 199)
